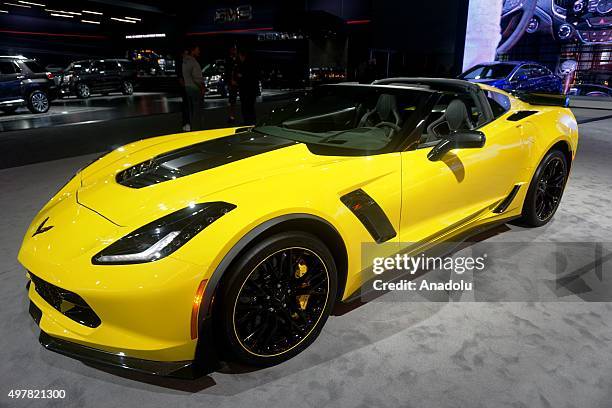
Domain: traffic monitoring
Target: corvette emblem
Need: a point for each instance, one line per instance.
(41, 228)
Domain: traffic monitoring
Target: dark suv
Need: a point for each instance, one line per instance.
(23, 82)
(83, 78)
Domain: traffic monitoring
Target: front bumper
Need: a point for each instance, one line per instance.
(179, 369)
(190, 369)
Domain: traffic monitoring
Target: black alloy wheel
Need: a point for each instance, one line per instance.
(550, 189)
(279, 299)
(127, 88)
(83, 91)
(546, 190)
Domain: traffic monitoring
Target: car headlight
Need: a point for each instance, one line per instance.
(162, 237)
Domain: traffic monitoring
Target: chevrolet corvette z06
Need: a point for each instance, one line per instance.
(173, 253)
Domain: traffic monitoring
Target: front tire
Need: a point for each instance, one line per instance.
(546, 190)
(83, 91)
(38, 102)
(127, 88)
(278, 297)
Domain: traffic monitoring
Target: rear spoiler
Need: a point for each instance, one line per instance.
(543, 99)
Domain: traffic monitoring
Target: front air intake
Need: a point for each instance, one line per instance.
(67, 303)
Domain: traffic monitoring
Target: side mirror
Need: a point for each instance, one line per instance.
(468, 139)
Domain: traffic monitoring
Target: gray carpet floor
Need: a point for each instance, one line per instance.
(385, 353)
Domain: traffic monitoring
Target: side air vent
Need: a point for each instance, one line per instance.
(503, 206)
(370, 214)
(518, 116)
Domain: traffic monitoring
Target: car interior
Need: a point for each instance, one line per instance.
(356, 123)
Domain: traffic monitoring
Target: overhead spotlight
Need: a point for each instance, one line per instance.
(123, 20)
(62, 15)
(92, 12)
(90, 22)
(17, 5)
(30, 3)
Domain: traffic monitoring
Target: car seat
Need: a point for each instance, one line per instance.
(456, 118)
(384, 111)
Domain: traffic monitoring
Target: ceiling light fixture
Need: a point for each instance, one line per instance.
(62, 15)
(17, 5)
(92, 12)
(30, 3)
(134, 18)
(63, 12)
(3, 11)
(123, 20)
(136, 36)
(90, 22)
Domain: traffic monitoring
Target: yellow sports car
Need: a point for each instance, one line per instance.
(171, 254)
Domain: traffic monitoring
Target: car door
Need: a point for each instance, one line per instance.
(112, 78)
(541, 79)
(519, 81)
(95, 76)
(10, 81)
(439, 197)
(552, 83)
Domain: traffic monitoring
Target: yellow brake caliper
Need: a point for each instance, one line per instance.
(300, 271)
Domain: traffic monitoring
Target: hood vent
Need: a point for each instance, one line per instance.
(199, 157)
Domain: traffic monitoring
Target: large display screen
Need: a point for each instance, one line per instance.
(570, 39)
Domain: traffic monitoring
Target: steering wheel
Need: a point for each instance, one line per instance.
(516, 15)
(389, 124)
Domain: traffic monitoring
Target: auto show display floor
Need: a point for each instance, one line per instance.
(383, 353)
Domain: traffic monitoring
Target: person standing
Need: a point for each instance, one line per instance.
(248, 86)
(184, 107)
(231, 79)
(194, 88)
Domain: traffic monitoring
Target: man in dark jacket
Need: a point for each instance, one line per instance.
(248, 86)
(231, 80)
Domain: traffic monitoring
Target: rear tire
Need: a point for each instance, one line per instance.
(546, 190)
(38, 102)
(276, 299)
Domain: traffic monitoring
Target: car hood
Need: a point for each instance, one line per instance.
(145, 181)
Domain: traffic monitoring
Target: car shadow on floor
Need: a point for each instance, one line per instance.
(334, 342)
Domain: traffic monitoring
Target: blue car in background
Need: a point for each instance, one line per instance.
(515, 76)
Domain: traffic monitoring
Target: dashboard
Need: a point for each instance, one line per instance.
(592, 20)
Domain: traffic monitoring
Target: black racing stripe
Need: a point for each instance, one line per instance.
(370, 214)
(199, 157)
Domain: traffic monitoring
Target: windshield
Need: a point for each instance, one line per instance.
(361, 118)
(77, 66)
(497, 71)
